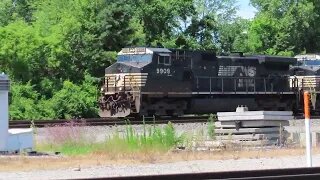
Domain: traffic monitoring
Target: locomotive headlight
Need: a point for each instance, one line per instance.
(102, 89)
(120, 88)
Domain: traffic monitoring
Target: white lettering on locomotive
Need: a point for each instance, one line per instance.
(165, 71)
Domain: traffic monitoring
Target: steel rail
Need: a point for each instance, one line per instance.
(103, 122)
(279, 174)
(116, 121)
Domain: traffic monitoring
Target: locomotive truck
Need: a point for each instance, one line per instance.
(160, 81)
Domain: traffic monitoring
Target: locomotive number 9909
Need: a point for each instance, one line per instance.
(163, 71)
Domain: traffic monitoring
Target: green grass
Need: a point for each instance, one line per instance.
(211, 127)
(71, 148)
(153, 138)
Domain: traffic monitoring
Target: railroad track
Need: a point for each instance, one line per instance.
(105, 121)
(302, 117)
(114, 121)
(281, 174)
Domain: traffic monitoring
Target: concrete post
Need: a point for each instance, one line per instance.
(4, 111)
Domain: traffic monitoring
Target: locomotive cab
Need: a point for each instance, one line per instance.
(127, 78)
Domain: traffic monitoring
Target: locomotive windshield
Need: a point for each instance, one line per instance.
(139, 58)
(309, 63)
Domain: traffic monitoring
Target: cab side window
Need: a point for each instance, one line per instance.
(164, 59)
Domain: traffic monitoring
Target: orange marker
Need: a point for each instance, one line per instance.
(306, 98)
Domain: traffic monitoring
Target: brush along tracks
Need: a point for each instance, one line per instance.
(106, 121)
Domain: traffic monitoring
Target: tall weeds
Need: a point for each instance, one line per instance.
(151, 138)
(73, 140)
(69, 138)
(211, 127)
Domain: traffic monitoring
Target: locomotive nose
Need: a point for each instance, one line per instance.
(124, 81)
(120, 95)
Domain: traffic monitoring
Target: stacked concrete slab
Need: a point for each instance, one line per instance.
(253, 127)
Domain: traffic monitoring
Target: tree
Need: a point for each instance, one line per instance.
(210, 16)
(160, 18)
(233, 36)
(24, 102)
(76, 101)
(11, 10)
(284, 27)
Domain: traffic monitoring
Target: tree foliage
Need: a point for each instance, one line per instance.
(284, 27)
(71, 101)
(52, 49)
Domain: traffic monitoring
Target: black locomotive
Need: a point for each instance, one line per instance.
(160, 81)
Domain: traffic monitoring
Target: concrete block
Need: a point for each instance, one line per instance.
(250, 137)
(248, 130)
(258, 143)
(242, 109)
(19, 139)
(216, 144)
(217, 124)
(249, 123)
(296, 137)
(302, 139)
(253, 113)
(315, 139)
(243, 117)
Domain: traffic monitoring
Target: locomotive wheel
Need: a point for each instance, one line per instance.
(163, 107)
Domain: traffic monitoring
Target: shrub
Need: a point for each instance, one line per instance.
(75, 101)
(71, 101)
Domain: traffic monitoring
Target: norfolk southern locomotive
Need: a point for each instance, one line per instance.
(160, 81)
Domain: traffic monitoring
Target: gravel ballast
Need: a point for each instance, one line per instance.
(165, 168)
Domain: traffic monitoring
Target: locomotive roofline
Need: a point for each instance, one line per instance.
(143, 50)
(232, 55)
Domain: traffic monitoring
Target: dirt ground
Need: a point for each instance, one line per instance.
(26, 163)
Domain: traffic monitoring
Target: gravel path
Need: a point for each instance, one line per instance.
(165, 168)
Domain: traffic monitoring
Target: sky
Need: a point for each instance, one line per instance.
(246, 10)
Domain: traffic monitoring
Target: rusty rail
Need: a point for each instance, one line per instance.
(105, 121)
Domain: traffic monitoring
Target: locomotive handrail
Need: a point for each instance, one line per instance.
(131, 83)
(111, 81)
(224, 84)
(242, 84)
(305, 82)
